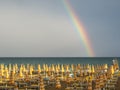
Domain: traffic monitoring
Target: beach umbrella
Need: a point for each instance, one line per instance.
(20, 72)
(49, 68)
(2, 66)
(72, 67)
(101, 81)
(6, 68)
(9, 68)
(62, 77)
(79, 66)
(58, 85)
(106, 66)
(89, 69)
(62, 68)
(97, 86)
(58, 67)
(6, 71)
(89, 85)
(105, 77)
(16, 67)
(13, 69)
(12, 77)
(39, 68)
(87, 78)
(28, 66)
(112, 69)
(2, 71)
(41, 85)
(92, 69)
(49, 71)
(75, 76)
(81, 72)
(117, 65)
(53, 68)
(76, 69)
(43, 67)
(24, 69)
(31, 70)
(87, 66)
(46, 68)
(67, 68)
(26, 76)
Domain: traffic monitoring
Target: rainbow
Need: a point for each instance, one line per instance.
(79, 28)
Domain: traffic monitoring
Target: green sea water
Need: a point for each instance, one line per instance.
(57, 60)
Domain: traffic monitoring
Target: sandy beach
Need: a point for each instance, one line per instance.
(60, 77)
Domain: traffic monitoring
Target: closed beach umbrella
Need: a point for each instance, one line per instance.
(39, 68)
(112, 70)
(53, 68)
(20, 73)
(62, 68)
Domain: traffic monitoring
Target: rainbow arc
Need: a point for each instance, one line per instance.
(79, 28)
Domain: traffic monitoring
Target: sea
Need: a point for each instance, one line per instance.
(57, 60)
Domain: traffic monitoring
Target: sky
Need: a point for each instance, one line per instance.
(43, 28)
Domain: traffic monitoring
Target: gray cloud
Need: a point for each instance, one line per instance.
(25, 32)
(43, 28)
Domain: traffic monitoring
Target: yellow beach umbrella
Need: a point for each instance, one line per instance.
(20, 74)
(106, 66)
(7, 74)
(24, 69)
(78, 66)
(72, 67)
(58, 66)
(67, 68)
(58, 85)
(92, 69)
(13, 70)
(46, 68)
(16, 67)
(62, 68)
(87, 66)
(56, 69)
(53, 67)
(39, 68)
(9, 68)
(30, 70)
(2, 71)
(112, 70)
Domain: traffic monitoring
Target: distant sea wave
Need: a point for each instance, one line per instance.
(57, 60)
